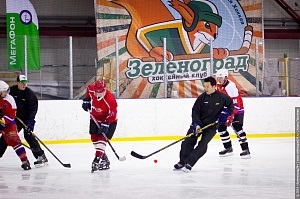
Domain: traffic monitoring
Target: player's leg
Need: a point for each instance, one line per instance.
(3, 146)
(237, 125)
(36, 149)
(200, 149)
(99, 144)
(105, 163)
(224, 135)
(187, 146)
(14, 140)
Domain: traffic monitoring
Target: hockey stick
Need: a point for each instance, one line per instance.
(103, 134)
(136, 155)
(65, 165)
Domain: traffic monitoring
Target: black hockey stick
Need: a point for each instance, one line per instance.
(103, 134)
(136, 155)
(65, 165)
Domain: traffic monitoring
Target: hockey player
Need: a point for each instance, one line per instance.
(27, 107)
(103, 106)
(207, 108)
(228, 87)
(8, 127)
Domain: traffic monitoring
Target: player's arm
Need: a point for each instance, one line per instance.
(196, 113)
(86, 102)
(32, 104)
(230, 106)
(111, 116)
(233, 93)
(229, 103)
(10, 113)
(196, 110)
(112, 113)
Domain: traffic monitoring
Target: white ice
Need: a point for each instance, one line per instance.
(270, 173)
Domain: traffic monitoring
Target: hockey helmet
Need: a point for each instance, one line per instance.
(222, 73)
(3, 86)
(100, 86)
(204, 11)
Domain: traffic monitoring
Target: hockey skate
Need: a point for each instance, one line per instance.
(187, 168)
(226, 152)
(41, 161)
(178, 166)
(95, 164)
(104, 163)
(26, 165)
(245, 154)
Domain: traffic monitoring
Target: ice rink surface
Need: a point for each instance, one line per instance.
(270, 173)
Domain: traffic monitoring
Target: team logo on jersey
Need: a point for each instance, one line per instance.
(98, 110)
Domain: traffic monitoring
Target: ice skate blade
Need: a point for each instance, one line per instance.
(41, 165)
(185, 170)
(246, 157)
(100, 169)
(177, 169)
(227, 154)
(27, 168)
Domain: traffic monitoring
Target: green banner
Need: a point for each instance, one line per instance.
(22, 35)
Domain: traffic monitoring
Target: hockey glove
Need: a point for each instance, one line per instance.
(224, 115)
(103, 128)
(30, 126)
(229, 120)
(196, 126)
(86, 104)
(2, 123)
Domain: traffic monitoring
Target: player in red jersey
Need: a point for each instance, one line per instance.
(8, 127)
(103, 106)
(228, 87)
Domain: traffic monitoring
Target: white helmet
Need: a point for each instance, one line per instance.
(3, 86)
(222, 73)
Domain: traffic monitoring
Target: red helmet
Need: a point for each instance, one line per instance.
(100, 86)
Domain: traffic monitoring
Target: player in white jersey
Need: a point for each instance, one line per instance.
(228, 87)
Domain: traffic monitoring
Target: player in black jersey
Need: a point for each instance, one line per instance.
(207, 109)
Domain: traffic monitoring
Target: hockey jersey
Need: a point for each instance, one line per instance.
(105, 109)
(8, 110)
(232, 91)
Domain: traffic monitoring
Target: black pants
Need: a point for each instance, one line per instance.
(30, 139)
(189, 154)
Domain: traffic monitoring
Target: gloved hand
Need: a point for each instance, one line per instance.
(103, 128)
(224, 115)
(196, 126)
(2, 124)
(86, 104)
(229, 120)
(30, 126)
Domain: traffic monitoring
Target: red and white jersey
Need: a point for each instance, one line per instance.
(105, 109)
(8, 112)
(232, 91)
